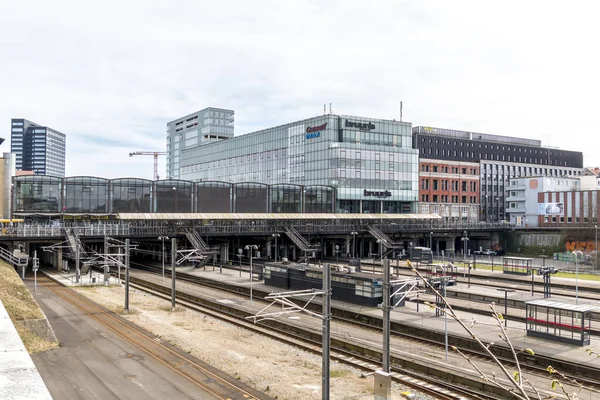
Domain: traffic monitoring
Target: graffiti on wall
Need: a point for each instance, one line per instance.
(581, 246)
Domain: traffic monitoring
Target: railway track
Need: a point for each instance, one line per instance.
(424, 383)
(536, 364)
(507, 360)
(209, 379)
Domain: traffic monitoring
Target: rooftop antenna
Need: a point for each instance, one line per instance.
(401, 111)
(324, 108)
(329, 108)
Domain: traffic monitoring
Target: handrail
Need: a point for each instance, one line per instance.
(9, 257)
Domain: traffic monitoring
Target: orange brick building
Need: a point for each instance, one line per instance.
(449, 188)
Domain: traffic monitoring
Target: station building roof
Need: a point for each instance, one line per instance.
(272, 216)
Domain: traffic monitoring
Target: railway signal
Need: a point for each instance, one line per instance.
(547, 272)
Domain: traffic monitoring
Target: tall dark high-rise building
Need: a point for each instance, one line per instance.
(38, 148)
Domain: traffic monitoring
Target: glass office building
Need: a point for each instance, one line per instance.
(204, 126)
(370, 163)
(38, 148)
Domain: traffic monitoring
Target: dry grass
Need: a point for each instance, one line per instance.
(17, 300)
(120, 310)
(20, 305)
(33, 343)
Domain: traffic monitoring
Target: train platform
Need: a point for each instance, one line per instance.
(19, 377)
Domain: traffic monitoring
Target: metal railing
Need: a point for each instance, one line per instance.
(10, 258)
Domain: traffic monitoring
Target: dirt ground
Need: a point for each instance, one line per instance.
(279, 370)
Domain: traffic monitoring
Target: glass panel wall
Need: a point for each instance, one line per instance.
(371, 207)
(174, 195)
(37, 194)
(131, 195)
(319, 199)
(213, 197)
(251, 198)
(286, 199)
(86, 194)
(349, 206)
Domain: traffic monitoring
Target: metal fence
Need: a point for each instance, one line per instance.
(246, 227)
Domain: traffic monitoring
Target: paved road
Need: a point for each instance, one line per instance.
(94, 363)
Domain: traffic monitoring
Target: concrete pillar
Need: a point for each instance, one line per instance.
(59, 259)
(348, 246)
(223, 252)
(370, 248)
(270, 253)
(294, 252)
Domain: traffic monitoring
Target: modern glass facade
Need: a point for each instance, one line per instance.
(131, 195)
(370, 162)
(85, 194)
(204, 126)
(36, 194)
(38, 148)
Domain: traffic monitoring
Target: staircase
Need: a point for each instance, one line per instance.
(389, 244)
(196, 240)
(299, 240)
(74, 244)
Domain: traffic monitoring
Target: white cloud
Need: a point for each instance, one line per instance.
(122, 70)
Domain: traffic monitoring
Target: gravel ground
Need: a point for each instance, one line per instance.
(279, 370)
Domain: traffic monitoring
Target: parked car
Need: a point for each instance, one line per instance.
(488, 252)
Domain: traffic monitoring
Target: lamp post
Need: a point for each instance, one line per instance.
(596, 247)
(465, 240)
(163, 238)
(431, 241)
(276, 235)
(250, 248)
(354, 243)
(577, 253)
(381, 244)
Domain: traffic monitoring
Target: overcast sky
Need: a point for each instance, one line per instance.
(112, 74)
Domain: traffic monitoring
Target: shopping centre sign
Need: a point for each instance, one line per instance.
(384, 193)
(363, 126)
(313, 132)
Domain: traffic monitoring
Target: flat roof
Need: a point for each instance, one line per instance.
(561, 306)
(517, 258)
(271, 216)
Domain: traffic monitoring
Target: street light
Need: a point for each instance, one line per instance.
(163, 238)
(381, 242)
(354, 243)
(276, 235)
(431, 241)
(596, 263)
(577, 254)
(465, 240)
(250, 248)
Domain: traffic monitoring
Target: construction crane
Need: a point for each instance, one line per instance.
(155, 154)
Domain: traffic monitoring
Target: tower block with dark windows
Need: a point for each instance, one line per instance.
(38, 148)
